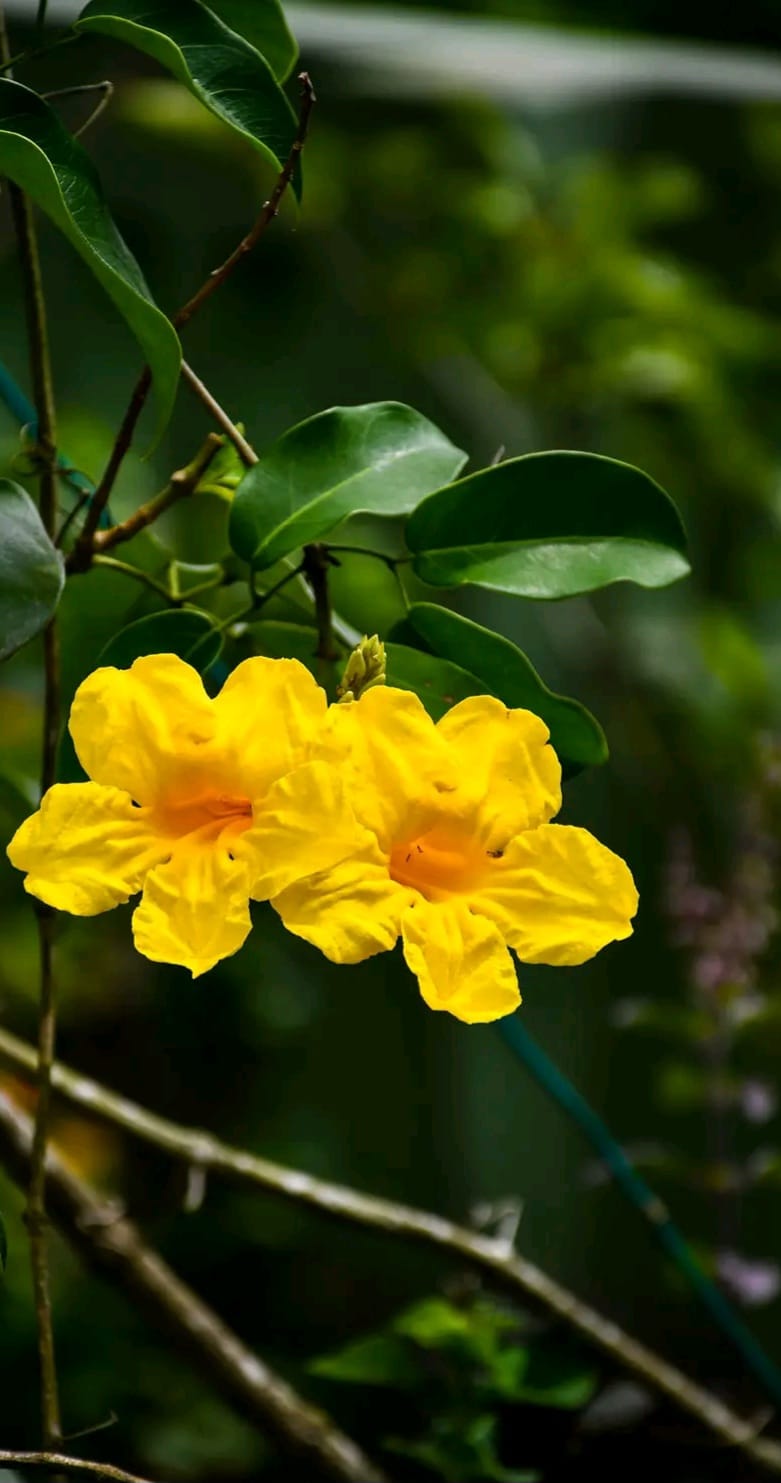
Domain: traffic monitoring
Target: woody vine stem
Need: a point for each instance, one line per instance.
(40, 366)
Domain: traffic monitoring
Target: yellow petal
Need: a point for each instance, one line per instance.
(349, 913)
(507, 764)
(269, 712)
(460, 961)
(87, 848)
(149, 729)
(194, 910)
(558, 895)
(398, 764)
(304, 825)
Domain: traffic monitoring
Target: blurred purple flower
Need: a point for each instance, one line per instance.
(750, 1281)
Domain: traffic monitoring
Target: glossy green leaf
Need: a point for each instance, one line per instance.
(222, 70)
(262, 23)
(39, 154)
(187, 632)
(495, 666)
(380, 459)
(549, 525)
(32, 571)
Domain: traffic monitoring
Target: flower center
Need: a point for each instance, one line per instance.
(210, 815)
(439, 863)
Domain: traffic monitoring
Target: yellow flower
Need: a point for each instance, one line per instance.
(178, 780)
(452, 850)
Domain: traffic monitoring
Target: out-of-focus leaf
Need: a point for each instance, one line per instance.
(549, 525)
(3, 1245)
(380, 1359)
(462, 1449)
(39, 154)
(262, 23)
(380, 459)
(734, 657)
(499, 668)
(32, 570)
(184, 631)
(222, 70)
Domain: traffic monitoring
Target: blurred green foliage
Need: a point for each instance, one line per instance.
(611, 282)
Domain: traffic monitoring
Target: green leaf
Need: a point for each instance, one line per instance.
(222, 70)
(380, 1359)
(263, 25)
(3, 1245)
(39, 154)
(380, 459)
(224, 473)
(549, 525)
(32, 570)
(495, 666)
(187, 632)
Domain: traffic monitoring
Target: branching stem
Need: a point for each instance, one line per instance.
(81, 555)
(46, 434)
(489, 1256)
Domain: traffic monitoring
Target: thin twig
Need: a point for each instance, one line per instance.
(244, 449)
(106, 89)
(124, 567)
(317, 560)
(46, 436)
(180, 485)
(40, 19)
(486, 1255)
(66, 1464)
(38, 51)
(81, 555)
(114, 1246)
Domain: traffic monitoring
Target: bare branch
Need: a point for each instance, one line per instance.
(487, 1255)
(65, 1464)
(113, 1246)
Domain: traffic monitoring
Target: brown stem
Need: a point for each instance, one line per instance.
(113, 1246)
(180, 485)
(46, 438)
(80, 557)
(244, 449)
(65, 1464)
(317, 560)
(488, 1256)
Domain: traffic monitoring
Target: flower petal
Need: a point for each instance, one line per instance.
(349, 913)
(460, 961)
(269, 711)
(148, 729)
(195, 909)
(398, 763)
(558, 895)
(86, 849)
(507, 764)
(304, 825)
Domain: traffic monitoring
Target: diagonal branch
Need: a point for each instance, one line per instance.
(486, 1255)
(112, 1245)
(80, 557)
(65, 1464)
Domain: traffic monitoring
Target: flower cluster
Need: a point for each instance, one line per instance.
(361, 823)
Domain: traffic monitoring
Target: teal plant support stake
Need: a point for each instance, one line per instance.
(23, 412)
(547, 1075)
